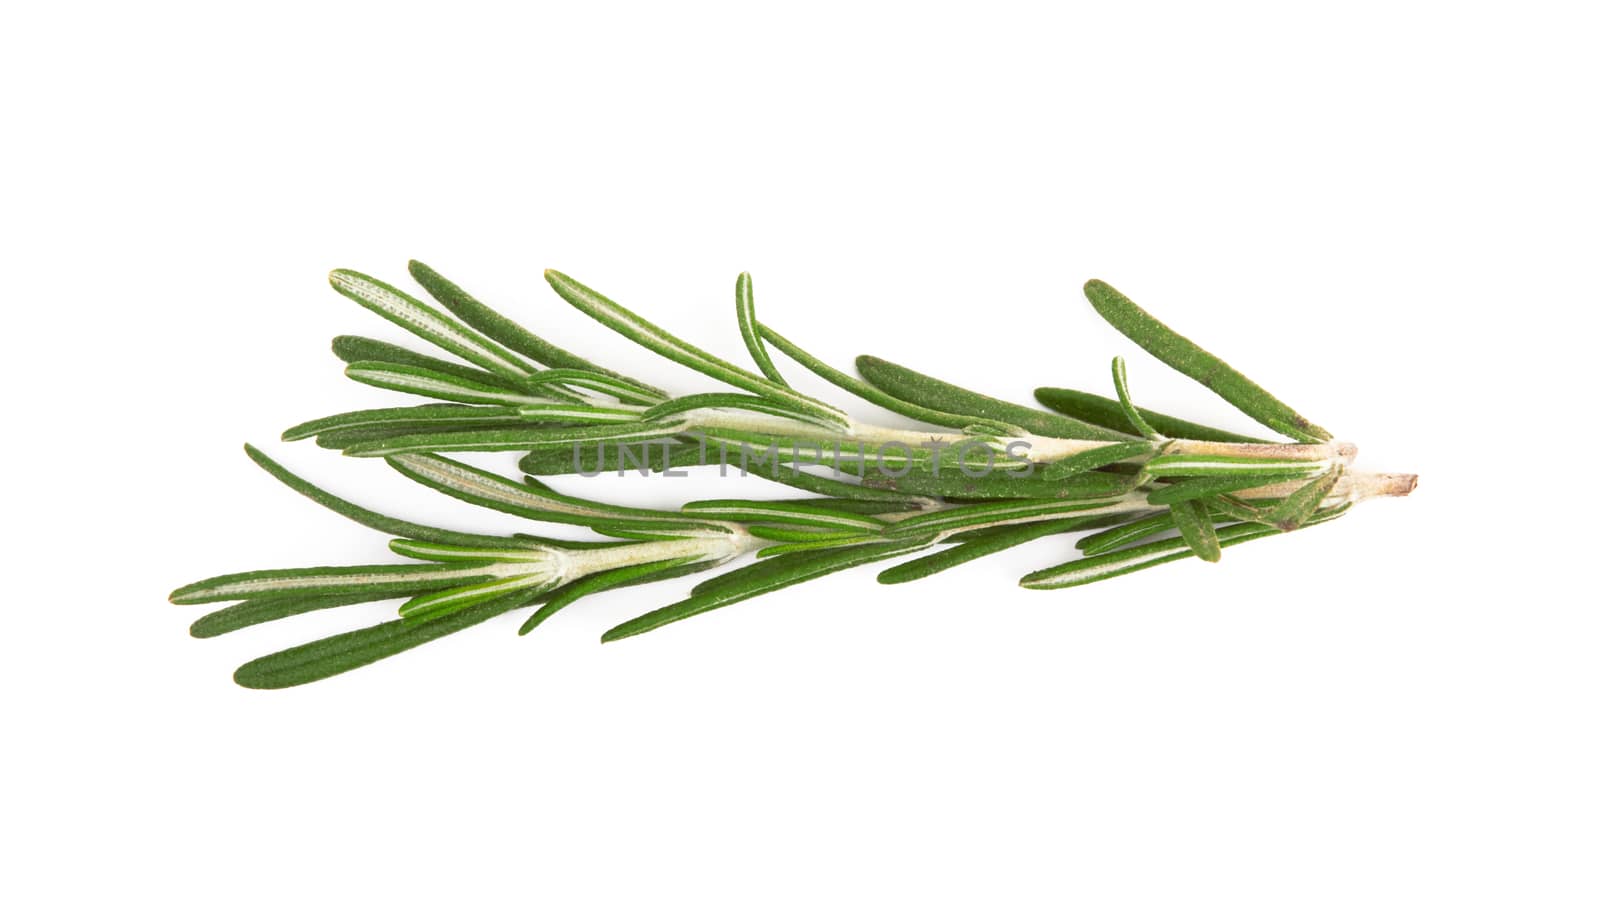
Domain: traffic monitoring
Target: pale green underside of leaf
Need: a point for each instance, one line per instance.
(429, 324)
(537, 502)
(750, 329)
(507, 332)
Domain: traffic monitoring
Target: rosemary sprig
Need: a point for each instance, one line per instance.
(989, 475)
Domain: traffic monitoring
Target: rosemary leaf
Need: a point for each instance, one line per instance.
(1004, 538)
(437, 605)
(513, 439)
(1107, 412)
(744, 300)
(798, 533)
(344, 439)
(429, 324)
(725, 401)
(605, 580)
(262, 609)
(1187, 357)
(1294, 510)
(382, 523)
(1268, 469)
(598, 457)
(536, 501)
(860, 388)
(1119, 377)
(1095, 458)
(789, 548)
(381, 580)
(950, 482)
(1234, 508)
(1126, 561)
(427, 416)
(622, 389)
(793, 513)
(1118, 536)
(579, 414)
(654, 338)
(330, 656)
(838, 488)
(434, 551)
(354, 349)
(433, 383)
(1194, 525)
(762, 577)
(1000, 512)
(505, 331)
(924, 390)
(1195, 489)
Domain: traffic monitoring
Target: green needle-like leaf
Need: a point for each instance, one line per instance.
(860, 388)
(789, 548)
(505, 331)
(839, 488)
(382, 580)
(1126, 561)
(1195, 489)
(1233, 508)
(532, 439)
(330, 656)
(653, 337)
(952, 483)
(1107, 412)
(512, 550)
(622, 389)
(1095, 458)
(997, 513)
(793, 513)
(1194, 525)
(605, 580)
(1119, 377)
(1189, 358)
(535, 501)
(382, 523)
(1268, 469)
(1118, 536)
(436, 605)
(577, 414)
(925, 390)
(725, 401)
(762, 577)
(429, 324)
(599, 457)
(1004, 538)
(251, 612)
(427, 416)
(1298, 507)
(435, 384)
(354, 349)
(745, 302)
(799, 533)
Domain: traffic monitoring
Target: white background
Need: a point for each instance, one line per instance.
(1384, 212)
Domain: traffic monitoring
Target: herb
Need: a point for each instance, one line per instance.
(991, 475)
